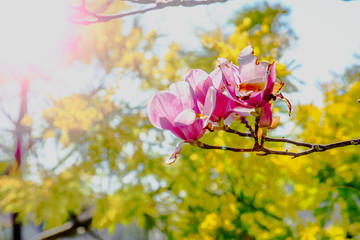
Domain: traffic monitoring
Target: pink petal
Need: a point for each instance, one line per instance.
(178, 133)
(163, 108)
(230, 79)
(210, 103)
(266, 117)
(175, 154)
(270, 81)
(200, 83)
(249, 67)
(194, 131)
(254, 100)
(223, 104)
(235, 112)
(185, 118)
(242, 111)
(229, 120)
(216, 77)
(186, 95)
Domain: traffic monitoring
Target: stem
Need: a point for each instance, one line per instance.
(284, 140)
(245, 121)
(269, 139)
(257, 120)
(230, 130)
(262, 151)
(96, 18)
(207, 146)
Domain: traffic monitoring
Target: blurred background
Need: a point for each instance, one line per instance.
(79, 158)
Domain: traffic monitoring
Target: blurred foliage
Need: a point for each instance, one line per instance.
(112, 159)
(337, 170)
(261, 26)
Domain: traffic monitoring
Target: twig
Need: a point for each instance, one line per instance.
(245, 121)
(67, 229)
(7, 115)
(262, 151)
(269, 139)
(141, 1)
(257, 120)
(55, 232)
(284, 140)
(159, 4)
(241, 134)
(206, 146)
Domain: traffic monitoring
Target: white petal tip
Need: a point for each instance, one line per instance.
(171, 160)
(175, 154)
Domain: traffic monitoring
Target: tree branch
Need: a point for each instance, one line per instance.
(248, 126)
(69, 228)
(262, 151)
(268, 139)
(92, 17)
(7, 115)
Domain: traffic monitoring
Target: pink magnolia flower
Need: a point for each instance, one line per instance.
(177, 110)
(254, 85)
(210, 87)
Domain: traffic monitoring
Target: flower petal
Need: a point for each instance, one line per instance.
(185, 118)
(254, 100)
(230, 79)
(277, 86)
(216, 77)
(229, 120)
(242, 111)
(200, 82)
(249, 67)
(186, 95)
(286, 101)
(163, 108)
(194, 131)
(222, 106)
(271, 76)
(266, 117)
(275, 123)
(210, 102)
(175, 154)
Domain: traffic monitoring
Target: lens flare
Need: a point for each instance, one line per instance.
(33, 34)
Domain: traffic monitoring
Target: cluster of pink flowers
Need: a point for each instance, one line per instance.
(224, 95)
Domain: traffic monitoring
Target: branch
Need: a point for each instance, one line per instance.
(141, 1)
(262, 151)
(268, 139)
(93, 17)
(69, 228)
(248, 126)
(7, 115)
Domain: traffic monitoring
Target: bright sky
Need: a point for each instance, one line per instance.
(327, 38)
(32, 34)
(327, 30)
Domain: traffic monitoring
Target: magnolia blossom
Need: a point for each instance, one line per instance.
(228, 92)
(178, 110)
(254, 85)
